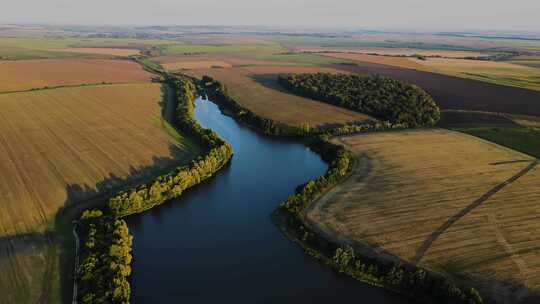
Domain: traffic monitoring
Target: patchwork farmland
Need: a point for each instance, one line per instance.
(444, 200)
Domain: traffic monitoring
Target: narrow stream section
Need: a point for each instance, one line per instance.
(217, 243)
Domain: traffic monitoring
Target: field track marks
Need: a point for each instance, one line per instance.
(456, 217)
(520, 263)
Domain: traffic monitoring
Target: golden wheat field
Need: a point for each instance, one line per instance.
(64, 147)
(443, 200)
(39, 73)
(256, 88)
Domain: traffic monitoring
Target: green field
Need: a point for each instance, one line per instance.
(524, 139)
(252, 49)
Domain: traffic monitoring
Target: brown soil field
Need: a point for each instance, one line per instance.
(396, 51)
(256, 88)
(101, 51)
(443, 200)
(65, 147)
(490, 71)
(459, 93)
(456, 119)
(31, 74)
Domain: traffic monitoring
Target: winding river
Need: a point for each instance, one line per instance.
(217, 243)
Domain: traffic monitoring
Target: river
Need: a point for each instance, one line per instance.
(217, 243)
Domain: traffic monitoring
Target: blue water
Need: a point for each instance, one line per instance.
(217, 243)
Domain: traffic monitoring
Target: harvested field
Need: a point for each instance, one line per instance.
(458, 93)
(101, 51)
(256, 88)
(32, 74)
(444, 200)
(65, 147)
(58, 144)
(396, 51)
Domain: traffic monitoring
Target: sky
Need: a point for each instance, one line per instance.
(377, 14)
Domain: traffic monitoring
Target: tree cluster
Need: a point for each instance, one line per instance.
(414, 282)
(103, 272)
(381, 97)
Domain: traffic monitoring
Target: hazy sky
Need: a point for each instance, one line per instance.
(419, 14)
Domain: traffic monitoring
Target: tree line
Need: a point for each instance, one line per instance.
(381, 97)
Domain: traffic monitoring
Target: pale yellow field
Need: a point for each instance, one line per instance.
(65, 147)
(443, 200)
(101, 51)
(256, 88)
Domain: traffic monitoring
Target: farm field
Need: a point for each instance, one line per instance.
(444, 200)
(524, 139)
(259, 48)
(256, 88)
(178, 62)
(402, 62)
(395, 51)
(503, 73)
(490, 71)
(530, 61)
(459, 93)
(64, 147)
(40, 73)
(101, 51)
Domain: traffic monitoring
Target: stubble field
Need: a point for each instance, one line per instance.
(256, 88)
(443, 200)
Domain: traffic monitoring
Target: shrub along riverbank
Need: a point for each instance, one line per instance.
(408, 280)
(103, 272)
